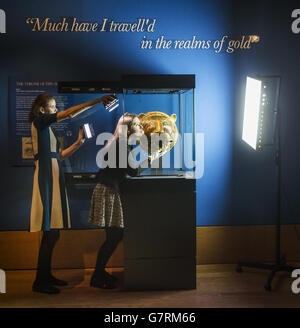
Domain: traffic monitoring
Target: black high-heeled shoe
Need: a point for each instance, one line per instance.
(44, 288)
(57, 282)
(101, 281)
(110, 276)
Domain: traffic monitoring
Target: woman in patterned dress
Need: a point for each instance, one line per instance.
(49, 208)
(106, 207)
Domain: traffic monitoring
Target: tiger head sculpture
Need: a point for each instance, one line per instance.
(161, 132)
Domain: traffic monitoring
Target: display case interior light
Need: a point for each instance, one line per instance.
(255, 100)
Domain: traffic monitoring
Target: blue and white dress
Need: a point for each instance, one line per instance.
(49, 207)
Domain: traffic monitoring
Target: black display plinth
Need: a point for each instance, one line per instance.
(160, 228)
(160, 233)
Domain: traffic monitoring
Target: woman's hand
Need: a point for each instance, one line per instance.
(80, 139)
(76, 145)
(107, 99)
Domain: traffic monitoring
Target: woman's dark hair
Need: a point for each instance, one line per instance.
(40, 101)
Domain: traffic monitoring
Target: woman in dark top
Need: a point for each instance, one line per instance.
(106, 207)
(49, 207)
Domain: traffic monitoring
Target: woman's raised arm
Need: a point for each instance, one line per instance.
(78, 109)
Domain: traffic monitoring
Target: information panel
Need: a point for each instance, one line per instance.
(22, 94)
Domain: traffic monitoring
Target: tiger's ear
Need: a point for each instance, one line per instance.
(173, 117)
(142, 115)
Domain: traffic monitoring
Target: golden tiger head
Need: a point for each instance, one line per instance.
(164, 126)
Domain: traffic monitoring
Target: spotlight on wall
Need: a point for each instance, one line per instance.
(254, 38)
(260, 111)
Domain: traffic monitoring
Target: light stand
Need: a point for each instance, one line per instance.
(280, 262)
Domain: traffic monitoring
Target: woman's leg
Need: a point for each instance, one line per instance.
(49, 240)
(44, 280)
(113, 237)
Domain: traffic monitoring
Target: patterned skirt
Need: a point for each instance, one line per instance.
(106, 207)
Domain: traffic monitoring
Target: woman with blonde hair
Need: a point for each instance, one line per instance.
(106, 206)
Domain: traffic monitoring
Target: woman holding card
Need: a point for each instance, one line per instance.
(49, 208)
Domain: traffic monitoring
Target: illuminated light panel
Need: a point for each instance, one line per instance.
(87, 131)
(251, 111)
(113, 107)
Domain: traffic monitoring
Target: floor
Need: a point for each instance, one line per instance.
(218, 286)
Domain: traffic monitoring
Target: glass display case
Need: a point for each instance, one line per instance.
(165, 107)
(160, 204)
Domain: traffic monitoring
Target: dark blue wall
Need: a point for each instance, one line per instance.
(235, 188)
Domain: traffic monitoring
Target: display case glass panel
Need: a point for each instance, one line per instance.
(166, 111)
(159, 110)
